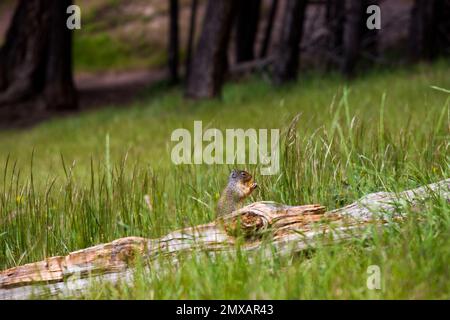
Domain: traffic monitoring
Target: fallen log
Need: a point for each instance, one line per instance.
(286, 228)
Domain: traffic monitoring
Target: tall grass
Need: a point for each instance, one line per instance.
(383, 132)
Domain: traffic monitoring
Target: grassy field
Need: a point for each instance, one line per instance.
(74, 182)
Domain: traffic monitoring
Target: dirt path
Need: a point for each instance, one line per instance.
(95, 90)
(117, 88)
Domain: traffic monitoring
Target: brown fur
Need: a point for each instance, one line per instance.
(240, 186)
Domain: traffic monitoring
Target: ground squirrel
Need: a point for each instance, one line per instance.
(240, 185)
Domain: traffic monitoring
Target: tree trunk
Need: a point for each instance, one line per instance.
(429, 29)
(286, 62)
(209, 62)
(191, 37)
(173, 41)
(60, 93)
(335, 19)
(35, 61)
(246, 29)
(268, 30)
(23, 53)
(353, 32)
(369, 37)
(443, 27)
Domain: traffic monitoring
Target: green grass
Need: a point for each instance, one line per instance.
(65, 187)
(99, 45)
(101, 51)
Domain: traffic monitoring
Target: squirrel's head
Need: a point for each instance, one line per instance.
(244, 180)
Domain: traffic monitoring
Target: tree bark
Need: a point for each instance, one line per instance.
(429, 29)
(286, 60)
(209, 61)
(335, 19)
(353, 32)
(22, 54)
(35, 61)
(60, 92)
(268, 30)
(369, 37)
(173, 41)
(246, 29)
(191, 37)
(443, 27)
(287, 229)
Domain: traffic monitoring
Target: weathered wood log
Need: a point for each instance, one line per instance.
(286, 229)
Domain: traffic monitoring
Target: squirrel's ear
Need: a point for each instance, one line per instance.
(233, 173)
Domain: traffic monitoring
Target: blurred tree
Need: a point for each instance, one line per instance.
(357, 37)
(349, 37)
(443, 28)
(173, 41)
(191, 36)
(352, 36)
(36, 58)
(209, 61)
(429, 29)
(268, 30)
(369, 36)
(246, 29)
(60, 92)
(286, 62)
(335, 19)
